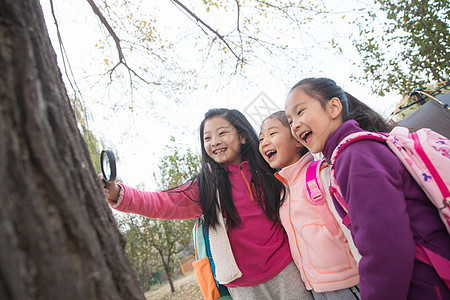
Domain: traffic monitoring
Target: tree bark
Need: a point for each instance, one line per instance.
(166, 265)
(58, 238)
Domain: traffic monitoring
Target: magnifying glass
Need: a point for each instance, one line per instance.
(108, 163)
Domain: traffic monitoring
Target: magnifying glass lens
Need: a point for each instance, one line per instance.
(106, 168)
(108, 163)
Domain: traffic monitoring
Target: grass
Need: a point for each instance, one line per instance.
(186, 287)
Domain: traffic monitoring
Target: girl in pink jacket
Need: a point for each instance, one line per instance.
(239, 199)
(323, 256)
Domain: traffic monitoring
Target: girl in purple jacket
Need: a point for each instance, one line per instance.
(250, 249)
(388, 210)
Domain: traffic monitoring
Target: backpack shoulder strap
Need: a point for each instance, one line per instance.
(200, 241)
(335, 192)
(316, 195)
(350, 139)
(354, 137)
(312, 186)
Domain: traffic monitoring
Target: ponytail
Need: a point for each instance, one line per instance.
(367, 118)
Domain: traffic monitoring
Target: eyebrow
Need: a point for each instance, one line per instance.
(271, 127)
(295, 107)
(218, 128)
(300, 103)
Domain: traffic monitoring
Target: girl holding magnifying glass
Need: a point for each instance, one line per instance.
(239, 197)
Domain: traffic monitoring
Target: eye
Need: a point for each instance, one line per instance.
(206, 138)
(222, 133)
(290, 123)
(272, 133)
(299, 112)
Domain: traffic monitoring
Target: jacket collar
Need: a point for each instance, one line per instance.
(338, 135)
(292, 172)
(243, 165)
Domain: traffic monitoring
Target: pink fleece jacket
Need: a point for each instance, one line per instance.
(324, 260)
(260, 248)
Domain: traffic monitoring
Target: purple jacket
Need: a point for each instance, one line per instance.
(389, 213)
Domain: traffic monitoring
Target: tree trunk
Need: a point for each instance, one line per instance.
(168, 271)
(58, 238)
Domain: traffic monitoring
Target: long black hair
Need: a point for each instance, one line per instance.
(324, 89)
(213, 178)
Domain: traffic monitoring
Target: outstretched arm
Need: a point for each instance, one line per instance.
(180, 203)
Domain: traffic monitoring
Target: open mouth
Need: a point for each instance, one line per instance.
(305, 135)
(219, 151)
(270, 153)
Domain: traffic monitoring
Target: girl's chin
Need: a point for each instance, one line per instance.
(275, 166)
(311, 149)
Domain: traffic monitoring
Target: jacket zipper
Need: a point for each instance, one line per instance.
(246, 181)
(295, 235)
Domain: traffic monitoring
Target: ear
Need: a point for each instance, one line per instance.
(243, 140)
(334, 107)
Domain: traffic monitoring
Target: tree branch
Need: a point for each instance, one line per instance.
(238, 6)
(116, 41)
(109, 28)
(64, 57)
(221, 37)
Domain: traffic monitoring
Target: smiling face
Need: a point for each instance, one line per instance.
(277, 145)
(221, 141)
(310, 122)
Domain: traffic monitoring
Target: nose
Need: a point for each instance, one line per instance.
(295, 124)
(215, 140)
(264, 142)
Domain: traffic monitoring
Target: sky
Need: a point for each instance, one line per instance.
(138, 124)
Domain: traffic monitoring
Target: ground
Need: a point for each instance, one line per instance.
(186, 287)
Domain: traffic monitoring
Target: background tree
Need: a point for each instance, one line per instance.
(148, 238)
(93, 144)
(159, 58)
(147, 62)
(58, 237)
(170, 237)
(412, 48)
(241, 30)
(142, 255)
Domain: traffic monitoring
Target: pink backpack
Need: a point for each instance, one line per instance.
(426, 155)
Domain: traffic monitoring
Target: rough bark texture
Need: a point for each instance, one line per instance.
(58, 238)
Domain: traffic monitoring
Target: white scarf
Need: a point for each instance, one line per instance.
(226, 268)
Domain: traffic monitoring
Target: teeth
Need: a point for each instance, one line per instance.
(304, 135)
(218, 151)
(270, 152)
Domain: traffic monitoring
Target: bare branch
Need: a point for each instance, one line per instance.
(237, 26)
(221, 37)
(116, 41)
(64, 57)
(238, 15)
(109, 28)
